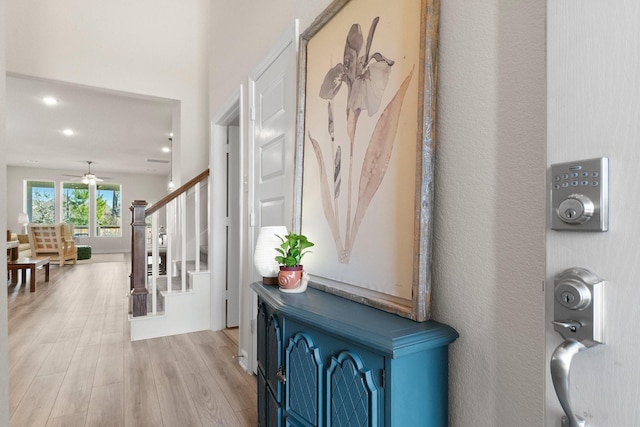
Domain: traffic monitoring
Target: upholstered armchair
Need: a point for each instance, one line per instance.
(24, 248)
(54, 241)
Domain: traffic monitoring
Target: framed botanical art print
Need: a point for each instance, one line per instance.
(365, 151)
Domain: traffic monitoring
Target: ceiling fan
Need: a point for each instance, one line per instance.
(87, 177)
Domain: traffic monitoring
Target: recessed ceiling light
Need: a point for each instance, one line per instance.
(166, 149)
(49, 100)
(68, 132)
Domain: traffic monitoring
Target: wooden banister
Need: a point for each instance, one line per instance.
(178, 191)
(138, 275)
(138, 259)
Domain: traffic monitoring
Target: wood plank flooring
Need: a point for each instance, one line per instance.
(71, 362)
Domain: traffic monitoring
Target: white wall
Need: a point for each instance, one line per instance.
(490, 176)
(593, 111)
(489, 212)
(254, 27)
(4, 347)
(149, 47)
(134, 187)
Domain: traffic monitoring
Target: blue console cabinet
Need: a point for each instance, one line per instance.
(327, 361)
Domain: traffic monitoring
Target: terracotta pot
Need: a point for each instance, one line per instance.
(290, 279)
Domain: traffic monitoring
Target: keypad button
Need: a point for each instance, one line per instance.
(565, 176)
(595, 183)
(565, 184)
(585, 174)
(574, 183)
(595, 174)
(585, 182)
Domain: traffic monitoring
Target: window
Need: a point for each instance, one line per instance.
(93, 211)
(108, 219)
(75, 206)
(41, 201)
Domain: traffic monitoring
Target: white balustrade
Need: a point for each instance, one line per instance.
(179, 224)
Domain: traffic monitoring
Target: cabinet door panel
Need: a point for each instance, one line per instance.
(304, 381)
(331, 345)
(274, 411)
(262, 336)
(269, 411)
(262, 401)
(352, 395)
(273, 356)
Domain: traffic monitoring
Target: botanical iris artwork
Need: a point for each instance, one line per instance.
(349, 183)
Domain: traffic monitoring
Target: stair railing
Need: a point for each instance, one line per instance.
(147, 243)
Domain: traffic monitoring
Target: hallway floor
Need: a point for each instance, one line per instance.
(71, 362)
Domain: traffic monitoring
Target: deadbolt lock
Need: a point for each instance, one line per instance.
(576, 209)
(573, 294)
(580, 195)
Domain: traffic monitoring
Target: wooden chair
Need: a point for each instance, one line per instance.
(54, 241)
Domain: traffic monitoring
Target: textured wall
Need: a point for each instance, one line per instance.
(489, 244)
(253, 27)
(490, 221)
(594, 105)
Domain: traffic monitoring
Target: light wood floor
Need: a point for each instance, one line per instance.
(72, 364)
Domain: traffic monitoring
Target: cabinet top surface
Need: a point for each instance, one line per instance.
(385, 332)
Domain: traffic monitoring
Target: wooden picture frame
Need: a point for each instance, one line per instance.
(365, 144)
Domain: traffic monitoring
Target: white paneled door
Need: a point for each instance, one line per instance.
(271, 152)
(273, 114)
(593, 111)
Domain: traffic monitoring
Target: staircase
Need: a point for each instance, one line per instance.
(170, 282)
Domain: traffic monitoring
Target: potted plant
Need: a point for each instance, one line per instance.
(291, 250)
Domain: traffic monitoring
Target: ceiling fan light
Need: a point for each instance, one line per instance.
(85, 180)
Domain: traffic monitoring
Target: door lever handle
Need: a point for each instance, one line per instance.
(572, 325)
(560, 367)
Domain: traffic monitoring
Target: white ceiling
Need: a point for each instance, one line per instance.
(117, 132)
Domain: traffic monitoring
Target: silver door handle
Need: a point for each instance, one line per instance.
(560, 368)
(579, 318)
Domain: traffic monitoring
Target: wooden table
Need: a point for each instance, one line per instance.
(12, 249)
(24, 264)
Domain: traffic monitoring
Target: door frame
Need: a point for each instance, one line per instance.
(218, 246)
